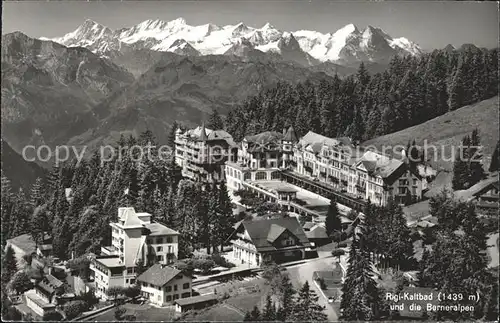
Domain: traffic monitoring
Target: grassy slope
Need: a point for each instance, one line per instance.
(447, 131)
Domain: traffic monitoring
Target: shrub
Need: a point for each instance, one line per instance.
(88, 297)
(115, 291)
(133, 291)
(75, 308)
(52, 316)
(338, 253)
(20, 282)
(221, 261)
(205, 265)
(336, 236)
(342, 245)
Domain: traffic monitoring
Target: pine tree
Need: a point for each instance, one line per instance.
(269, 310)
(332, 221)
(171, 135)
(255, 314)
(355, 130)
(6, 207)
(9, 265)
(460, 178)
(215, 121)
(223, 225)
(456, 91)
(476, 171)
(307, 308)
(248, 317)
(494, 159)
(287, 301)
(361, 297)
(36, 194)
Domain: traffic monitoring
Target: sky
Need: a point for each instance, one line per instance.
(431, 24)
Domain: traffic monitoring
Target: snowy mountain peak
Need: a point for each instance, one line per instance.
(267, 26)
(179, 22)
(348, 44)
(348, 29)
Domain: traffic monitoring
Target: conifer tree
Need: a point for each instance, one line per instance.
(255, 314)
(456, 91)
(9, 265)
(171, 134)
(361, 297)
(460, 178)
(269, 311)
(36, 194)
(476, 171)
(332, 221)
(307, 308)
(215, 121)
(494, 159)
(6, 207)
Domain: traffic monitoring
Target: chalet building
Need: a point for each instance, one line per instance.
(135, 240)
(202, 153)
(484, 195)
(278, 239)
(260, 157)
(379, 178)
(162, 284)
(42, 299)
(316, 234)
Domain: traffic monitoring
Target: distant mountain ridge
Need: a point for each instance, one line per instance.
(345, 46)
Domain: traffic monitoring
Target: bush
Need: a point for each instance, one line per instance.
(336, 236)
(52, 316)
(133, 291)
(115, 291)
(20, 282)
(338, 252)
(205, 265)
(75, 308)
(342, 245)
(89, 298)
(221, 261)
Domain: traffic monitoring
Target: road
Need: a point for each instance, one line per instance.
(301, 273)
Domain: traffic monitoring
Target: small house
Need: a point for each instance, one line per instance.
(196, 302)
(162, 284)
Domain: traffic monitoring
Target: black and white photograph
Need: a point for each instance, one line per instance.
(250, 160)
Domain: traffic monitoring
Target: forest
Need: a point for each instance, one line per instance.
(362, 106)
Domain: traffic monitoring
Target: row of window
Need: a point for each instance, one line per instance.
(167, 288)
(160, 240)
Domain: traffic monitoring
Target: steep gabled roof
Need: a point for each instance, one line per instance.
(260, 230)
(158, 275)
(274, 232)
(291, 135)
(203, 133)
(379, 165)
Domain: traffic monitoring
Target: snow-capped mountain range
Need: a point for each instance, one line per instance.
(348, 44)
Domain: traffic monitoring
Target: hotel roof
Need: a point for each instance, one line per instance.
(159, 275)
(377, 164)
(111, 262)
(264, 232)
(205, 134)
(158, 229)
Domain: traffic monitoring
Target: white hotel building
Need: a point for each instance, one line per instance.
(135, 240)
